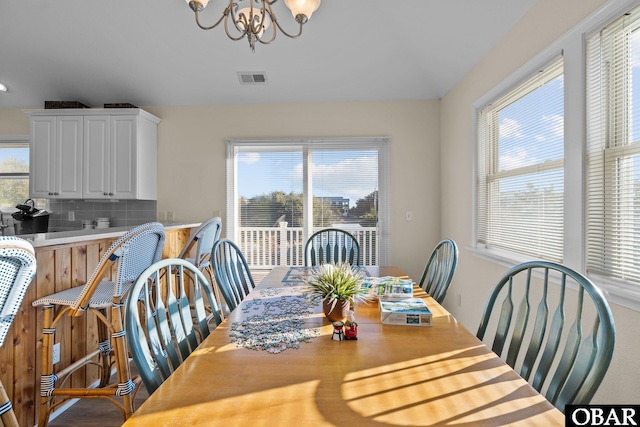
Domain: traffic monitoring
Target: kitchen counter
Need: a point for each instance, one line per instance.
(64, 259)
(75, 236)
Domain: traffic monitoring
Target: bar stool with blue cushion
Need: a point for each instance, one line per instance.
(167, 317)
(331, 245)
(203, 239)
(440, 269)
(554, 327)
(232, 272)
(17, 268)
(131, 254)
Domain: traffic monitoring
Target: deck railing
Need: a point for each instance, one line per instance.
(268, 247)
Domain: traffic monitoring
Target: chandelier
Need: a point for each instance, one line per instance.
(254, 20)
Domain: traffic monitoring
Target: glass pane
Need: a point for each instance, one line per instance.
(527, 214)
(531, 129)
(14, 159)
(270, 188)
(271, 200)
(635, 86)
(345, 188)
(13, 191)
(621, 218)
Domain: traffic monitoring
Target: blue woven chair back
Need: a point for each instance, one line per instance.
(554, 327)
(203, 238)
(17, 268)
(440, 268)
(137, 253)
(331, 245)
(232, 272)
(134, 251)
(171, 308)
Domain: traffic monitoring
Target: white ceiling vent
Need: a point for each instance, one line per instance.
(252, 77)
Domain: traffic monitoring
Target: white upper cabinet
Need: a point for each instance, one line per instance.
(118, 152)
(55, 157)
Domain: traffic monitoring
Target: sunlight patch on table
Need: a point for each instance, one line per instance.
(417, 362)
(274, 403)
(400, 391)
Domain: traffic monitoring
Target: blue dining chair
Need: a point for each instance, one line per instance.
(167, 315)
(440, 269)
(17, 268)
(232, 272)
(331, 245)
(546, 333)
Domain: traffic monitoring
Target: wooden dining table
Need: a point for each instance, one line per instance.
(392, 375)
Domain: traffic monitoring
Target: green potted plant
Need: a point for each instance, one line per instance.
(339, 286)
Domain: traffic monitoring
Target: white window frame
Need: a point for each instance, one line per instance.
(381, 144)
(489, 142)
(572, 47)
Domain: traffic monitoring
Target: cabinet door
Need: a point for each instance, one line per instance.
(124, 139)
(69, 157)
(97, 143)
(56, 157)
(42, 156)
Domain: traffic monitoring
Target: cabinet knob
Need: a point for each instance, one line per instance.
(56, 193)
(111, 194)
(105, 194)
(50, 193)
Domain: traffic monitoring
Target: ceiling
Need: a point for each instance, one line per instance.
(151, 53)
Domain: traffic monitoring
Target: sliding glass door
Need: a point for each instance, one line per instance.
(281, 191)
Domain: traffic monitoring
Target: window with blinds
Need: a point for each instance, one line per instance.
(520, 181)
(14, 171)
(613, 150)
(280, 192)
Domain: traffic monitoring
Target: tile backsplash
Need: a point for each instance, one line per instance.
(121, 213)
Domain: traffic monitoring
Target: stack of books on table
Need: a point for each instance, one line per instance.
(409, 311)
(389, 287)
(396, 303)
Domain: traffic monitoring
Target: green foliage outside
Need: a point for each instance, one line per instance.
(13, 190)
(267, 210)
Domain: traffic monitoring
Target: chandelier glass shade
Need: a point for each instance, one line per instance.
(254, 19)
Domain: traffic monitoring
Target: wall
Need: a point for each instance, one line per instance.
(123, 213)
(545, 22)
(192, 157)
(192, 153)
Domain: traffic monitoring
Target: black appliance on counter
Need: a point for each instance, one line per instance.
(29, 220)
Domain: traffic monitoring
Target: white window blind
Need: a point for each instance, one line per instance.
(520, 181)
(613, 150)
(269, 187)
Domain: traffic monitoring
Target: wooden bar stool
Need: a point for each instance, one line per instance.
(131, 254)
(17, 268)
(203, 238)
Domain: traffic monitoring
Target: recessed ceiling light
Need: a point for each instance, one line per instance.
(3, 87)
